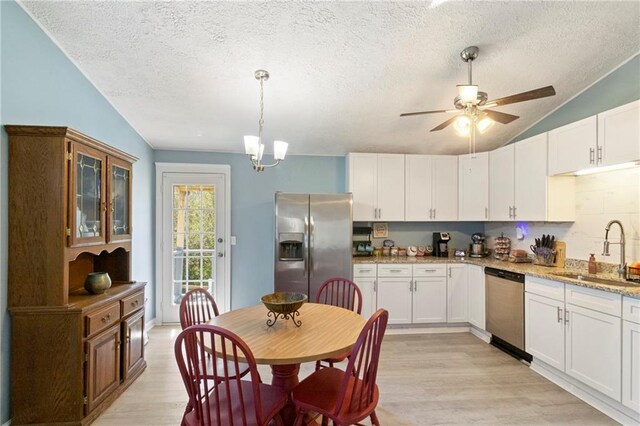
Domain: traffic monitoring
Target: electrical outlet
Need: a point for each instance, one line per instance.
(233, 240)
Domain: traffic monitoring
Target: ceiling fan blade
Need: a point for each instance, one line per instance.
(407, 114)
(500, 117)
(542, 92)
(445, 124)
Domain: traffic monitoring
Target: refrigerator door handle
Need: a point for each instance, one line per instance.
(311, 230)
(305, 255)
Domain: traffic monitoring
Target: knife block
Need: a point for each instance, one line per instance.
(561, 254)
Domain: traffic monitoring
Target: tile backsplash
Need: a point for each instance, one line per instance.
(599, 198)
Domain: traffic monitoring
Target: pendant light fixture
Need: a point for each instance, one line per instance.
(253, 145)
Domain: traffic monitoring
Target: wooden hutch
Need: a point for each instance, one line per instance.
(72, 353)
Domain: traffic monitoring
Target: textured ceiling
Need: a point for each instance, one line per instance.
(341, 72)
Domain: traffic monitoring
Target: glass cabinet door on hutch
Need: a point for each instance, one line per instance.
(119, 186)
(87, 188)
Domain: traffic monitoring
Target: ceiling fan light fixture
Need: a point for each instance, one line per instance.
(462, 125)
(468, 93)
(484, 124)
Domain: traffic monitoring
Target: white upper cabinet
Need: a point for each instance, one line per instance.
(619, 135)
(609, 138)
(519, 188)
(573, 147)
(473, 186)
(431, 187)
(501, 183)
(377, 184)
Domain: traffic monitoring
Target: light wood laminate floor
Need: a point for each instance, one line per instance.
(423, 379)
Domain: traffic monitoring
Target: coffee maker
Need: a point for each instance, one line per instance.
(441, 244)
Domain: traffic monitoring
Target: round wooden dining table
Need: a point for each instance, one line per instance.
(326, 331)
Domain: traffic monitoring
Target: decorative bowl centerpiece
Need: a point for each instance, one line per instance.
(283, 304)
(97, 282)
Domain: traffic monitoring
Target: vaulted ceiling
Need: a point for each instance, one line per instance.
(341, 72)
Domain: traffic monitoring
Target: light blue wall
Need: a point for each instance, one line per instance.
(41, 86)
(252, 220)
(618, 88)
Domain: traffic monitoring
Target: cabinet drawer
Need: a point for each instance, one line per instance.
(364, 270)
(542, 287)
(631, 309)
(394, 270)
(597, 300)
(103, 318)
(430, 270)
(132, 303)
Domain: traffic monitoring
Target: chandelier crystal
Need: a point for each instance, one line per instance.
(253, 145)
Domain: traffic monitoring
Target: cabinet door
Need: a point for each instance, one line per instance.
(573, 147)
(103, 366)
(418, 193)
(593, 349)
(390, 187)
(429, 300)
(363, 184)
(631, 365)
(531, 179)
(367, 287)
(457, 294)
(619, 135)
(133, 353)
(394, 295)
(445, 187)
(473, 183)
(544, 329)
(87, 204)
(501, 181)
(476, 296)
(119, 208)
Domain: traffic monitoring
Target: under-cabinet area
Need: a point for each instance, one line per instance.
(75, 346)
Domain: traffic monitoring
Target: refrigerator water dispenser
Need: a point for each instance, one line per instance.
(291, 246)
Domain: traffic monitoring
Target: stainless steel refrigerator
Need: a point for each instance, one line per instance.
(312, 240)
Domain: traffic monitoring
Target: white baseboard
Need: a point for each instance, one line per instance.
(602, 403)
(393, 330)
(148, 326)
(480, 334)
(7, 423)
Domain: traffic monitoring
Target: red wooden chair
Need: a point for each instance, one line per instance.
(198, 307)
(349, 396)
(340, 292)
(229, 401)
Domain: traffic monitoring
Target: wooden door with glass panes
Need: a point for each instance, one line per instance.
(87, 201)
(119, 211)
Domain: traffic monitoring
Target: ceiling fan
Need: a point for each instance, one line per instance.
(473, 106)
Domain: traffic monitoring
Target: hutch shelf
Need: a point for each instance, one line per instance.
(72, 353)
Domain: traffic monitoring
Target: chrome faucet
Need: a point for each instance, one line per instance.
(622, 268)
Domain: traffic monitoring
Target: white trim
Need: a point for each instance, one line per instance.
(147, 327)
(65, 53)
(436, 329)
(600, 402)
(572, 98)
(7, 423)
(224, 169)
(485, 336)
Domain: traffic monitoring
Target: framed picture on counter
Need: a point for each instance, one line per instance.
(380, 230)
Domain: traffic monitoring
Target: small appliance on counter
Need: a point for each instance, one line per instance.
(441, 244)
(478, 248)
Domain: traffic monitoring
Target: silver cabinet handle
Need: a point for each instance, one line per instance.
(364, 270)
(559, 314)
(429, 270)
(566, 316)
(395, 270)
(375, 286)
(434, 213)
(380, 213)
(514, 212)
(430, 213)
(449, 272)
(486, 212)
(510, 210)
(410, 285)
(599, 154)
(592, 153)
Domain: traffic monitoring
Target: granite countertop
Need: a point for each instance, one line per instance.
(522, 268)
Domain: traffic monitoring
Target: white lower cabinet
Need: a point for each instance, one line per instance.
(579, 332)
(394, 291)
(476, 296)
(544, 329)
(457, 293)
(429, 294)
(593, 349)
(631, 353)
(364, 275)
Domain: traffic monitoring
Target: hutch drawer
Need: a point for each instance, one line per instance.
(103, 318)
(132, 303)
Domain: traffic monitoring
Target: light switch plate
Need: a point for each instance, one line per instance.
(233, 240)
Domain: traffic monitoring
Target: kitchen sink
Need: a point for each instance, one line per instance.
(587, 278)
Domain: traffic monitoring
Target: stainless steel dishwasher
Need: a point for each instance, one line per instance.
(505, 311)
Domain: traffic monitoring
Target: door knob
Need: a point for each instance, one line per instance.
(220, 254)
(220, 240)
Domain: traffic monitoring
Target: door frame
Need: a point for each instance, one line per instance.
(185, 168)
